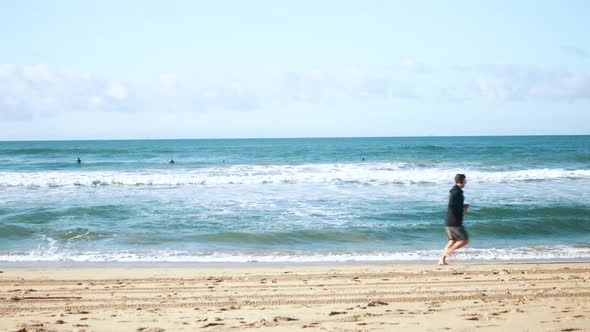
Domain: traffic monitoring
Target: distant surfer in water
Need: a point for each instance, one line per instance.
(79, 161)
(456, 233)
(171, 162)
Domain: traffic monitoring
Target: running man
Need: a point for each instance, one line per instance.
(456, 233)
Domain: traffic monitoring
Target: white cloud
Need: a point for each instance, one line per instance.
(34, 90)
(117, 91)
(41, 89)
(569, 86)
(493, 88)
(94, 101)
(574, 50)
(318, 86)
(27, 91)
(414, 66)
(519, 83)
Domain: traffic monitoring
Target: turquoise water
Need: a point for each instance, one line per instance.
(292, 200)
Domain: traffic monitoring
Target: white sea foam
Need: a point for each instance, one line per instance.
(368, 174)
(502, 254)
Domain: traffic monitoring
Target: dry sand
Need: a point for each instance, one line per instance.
(396, 297)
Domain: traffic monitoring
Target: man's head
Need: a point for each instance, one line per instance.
(460, 180)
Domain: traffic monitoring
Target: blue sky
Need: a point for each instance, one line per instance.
(197, 69)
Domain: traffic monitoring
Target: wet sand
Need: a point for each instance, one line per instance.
(378, 297)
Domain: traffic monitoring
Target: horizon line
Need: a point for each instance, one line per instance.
(286, 137)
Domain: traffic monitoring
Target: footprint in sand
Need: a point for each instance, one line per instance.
(377, 303)
(32, 326)
(313, 324)
(284, 319)
(261, 323)
(498, 313)
(473, 316)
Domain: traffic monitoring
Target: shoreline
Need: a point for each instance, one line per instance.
(197, 265)
(348, 297)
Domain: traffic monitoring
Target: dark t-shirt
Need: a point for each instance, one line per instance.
(455, 211)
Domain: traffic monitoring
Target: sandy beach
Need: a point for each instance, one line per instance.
(378, 297)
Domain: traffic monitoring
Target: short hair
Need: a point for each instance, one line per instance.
(459, 178)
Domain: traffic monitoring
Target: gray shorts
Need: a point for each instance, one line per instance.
(457, 233)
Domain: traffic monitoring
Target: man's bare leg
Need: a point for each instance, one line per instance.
(443, 258)
(455, 246)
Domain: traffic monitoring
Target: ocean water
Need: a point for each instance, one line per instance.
(292, 200)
